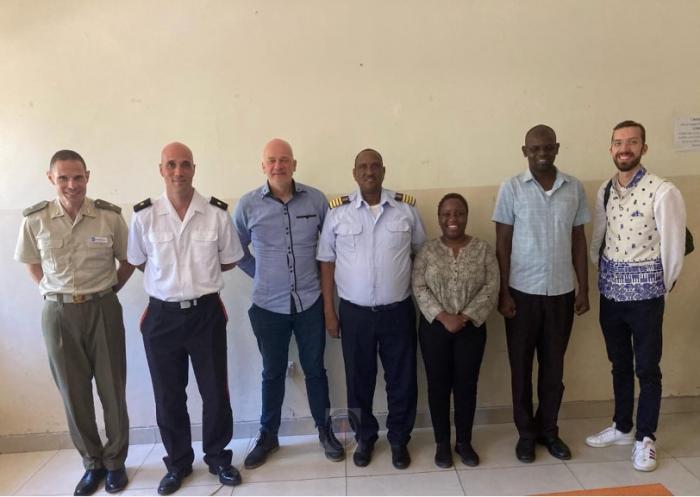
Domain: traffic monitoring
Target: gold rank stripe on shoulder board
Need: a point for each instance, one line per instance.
(35, 208)
(338, 201)
(405, 198)
(142, 205)
(218, 203)
(103, 204)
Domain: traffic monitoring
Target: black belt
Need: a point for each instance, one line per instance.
(376, 308)
(183, 304)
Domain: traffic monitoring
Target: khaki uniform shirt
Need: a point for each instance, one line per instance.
(76, 256)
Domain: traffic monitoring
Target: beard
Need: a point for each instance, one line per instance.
(627, 165)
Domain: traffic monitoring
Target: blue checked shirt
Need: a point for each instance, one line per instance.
(284, 238)
(541, 261)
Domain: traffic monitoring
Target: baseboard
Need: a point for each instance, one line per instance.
(31, 442)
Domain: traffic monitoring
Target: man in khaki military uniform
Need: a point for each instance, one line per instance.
(69, 246)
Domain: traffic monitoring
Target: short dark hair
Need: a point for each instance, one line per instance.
(631, 124)
(451, 196)
(66, 155)
(369, 150)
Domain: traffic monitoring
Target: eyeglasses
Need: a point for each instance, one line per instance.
(536, 149)
(632, 142)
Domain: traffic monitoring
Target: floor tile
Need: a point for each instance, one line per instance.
(678, 434)
(16, 469)
(325, 486)
(421, 448)
(191, 490)
(669, 472)
(59, 475)
(299, 458)
(434, 483)
(524, 480)
(692, 464)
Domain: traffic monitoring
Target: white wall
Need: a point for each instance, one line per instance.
(445, 90)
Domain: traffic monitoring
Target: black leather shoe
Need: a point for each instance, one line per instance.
(267, 444)
(331, 446)
(400, 457)
(363, 453)
(467, 454)
(90, 481)
(116, 480)
(443, 455)
(525, 450)
(172, 481)
(228, 475)
(556, 447)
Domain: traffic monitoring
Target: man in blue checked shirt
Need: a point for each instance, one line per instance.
(540, 245)
(283, 219)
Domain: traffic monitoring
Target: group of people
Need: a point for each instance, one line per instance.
(369, 248)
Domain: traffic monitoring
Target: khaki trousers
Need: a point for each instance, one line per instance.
(86, 341)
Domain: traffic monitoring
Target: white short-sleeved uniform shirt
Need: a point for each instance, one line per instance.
(183, 257)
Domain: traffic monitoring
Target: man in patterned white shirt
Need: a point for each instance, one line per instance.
(639, 239)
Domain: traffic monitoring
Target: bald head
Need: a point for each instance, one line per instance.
(541, 131)
(277, 146)
(176, 149)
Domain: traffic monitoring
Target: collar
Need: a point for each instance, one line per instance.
(163, 205)
(637, 178)
(387, 197)
(86, 210)
(296, 188)
(559, 179)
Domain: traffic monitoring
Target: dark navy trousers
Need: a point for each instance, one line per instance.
(633, 339)
(172, 337)
(389, 331)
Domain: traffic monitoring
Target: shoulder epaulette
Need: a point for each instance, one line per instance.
(218, 203)
(35, 208)
(405, 198)
(103, 204)
(142, 205)
(337, 202)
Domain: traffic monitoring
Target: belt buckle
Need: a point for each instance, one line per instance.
(185, 304)
(79, 298)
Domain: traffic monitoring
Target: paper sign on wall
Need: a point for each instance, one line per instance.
(686, 133)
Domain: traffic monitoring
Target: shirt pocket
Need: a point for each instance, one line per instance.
(99, 251)
(162, 245)
(347, 235)
(399, 233)
(205, 246)
(51, 249)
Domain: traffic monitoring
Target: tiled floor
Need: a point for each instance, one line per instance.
(299, 467)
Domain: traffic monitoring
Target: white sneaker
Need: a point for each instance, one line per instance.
(644, 455)
(610, 436)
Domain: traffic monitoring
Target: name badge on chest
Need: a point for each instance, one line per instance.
(101, 240)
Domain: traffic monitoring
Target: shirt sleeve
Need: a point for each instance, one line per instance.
(136, 251)
(27, 249)
(583, 215)
(247, 263)
(503, 212)
(418, 232)
(428, 303)
(230, 249)
(121, 236)
(326, 242)
(481, 305)
(669, 211)
(600, 222)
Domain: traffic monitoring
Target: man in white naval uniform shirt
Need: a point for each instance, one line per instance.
(183, 241)
(638, 241)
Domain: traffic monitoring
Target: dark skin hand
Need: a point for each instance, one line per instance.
(504, 246)
(453, 322)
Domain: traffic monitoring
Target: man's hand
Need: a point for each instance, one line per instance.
(581, 305)
(506, 304)
(452, 322)
(332, 324)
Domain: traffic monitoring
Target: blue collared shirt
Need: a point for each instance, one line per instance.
(541, 261)
(372, 255)
(284, 237)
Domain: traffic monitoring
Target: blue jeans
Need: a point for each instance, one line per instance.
(273, 332)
